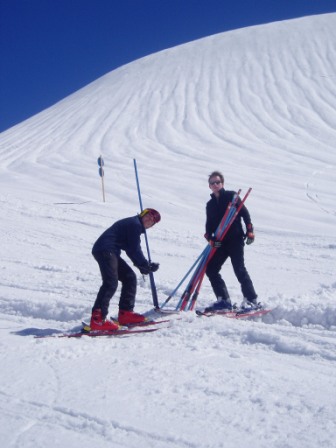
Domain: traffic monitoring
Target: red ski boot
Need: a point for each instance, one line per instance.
(130, 318)
(98, 323)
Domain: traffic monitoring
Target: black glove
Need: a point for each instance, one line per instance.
(249, 234)
(145, 269)
(154, 267)
(215, 243)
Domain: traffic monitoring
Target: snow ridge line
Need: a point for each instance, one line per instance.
(322, 316)
(82, 422)
(314, 315)
(286, 341)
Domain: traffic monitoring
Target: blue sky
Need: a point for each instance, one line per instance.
(51, 48)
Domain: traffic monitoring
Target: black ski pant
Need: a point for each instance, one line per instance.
(114, 269)
(235, 250)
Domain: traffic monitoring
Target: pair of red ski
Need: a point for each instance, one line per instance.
(123, 331)
(150, 325)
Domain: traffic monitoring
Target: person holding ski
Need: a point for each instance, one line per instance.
(232, 245)
(123, 235)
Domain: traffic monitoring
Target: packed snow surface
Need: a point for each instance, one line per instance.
(257, 104)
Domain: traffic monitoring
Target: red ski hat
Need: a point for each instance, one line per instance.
(153, 213)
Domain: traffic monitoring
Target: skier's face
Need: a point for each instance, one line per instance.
(215, 184)
(148, 221)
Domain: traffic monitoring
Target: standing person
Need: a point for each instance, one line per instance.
(232, 246)
(122, 235)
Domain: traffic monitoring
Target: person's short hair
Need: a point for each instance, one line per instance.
(216, 174)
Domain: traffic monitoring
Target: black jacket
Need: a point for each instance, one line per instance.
(123, 235)
(215, 210)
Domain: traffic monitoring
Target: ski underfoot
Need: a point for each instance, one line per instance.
(242, 313)
(124, 330)
(142, 327)
(92, 333)
(146, 323)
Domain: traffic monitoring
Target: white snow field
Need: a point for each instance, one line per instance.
(257, 104)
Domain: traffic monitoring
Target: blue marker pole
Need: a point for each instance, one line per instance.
(151, 275)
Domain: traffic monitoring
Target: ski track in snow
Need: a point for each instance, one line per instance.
(79, 426)
(258, 104)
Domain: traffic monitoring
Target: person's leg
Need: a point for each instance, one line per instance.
(238, 264)
(128, 280)
(213, 274)
(108, 265)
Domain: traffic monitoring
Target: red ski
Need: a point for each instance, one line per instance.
(93, 334)
(146, 323)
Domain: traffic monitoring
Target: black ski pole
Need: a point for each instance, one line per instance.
(151, 275)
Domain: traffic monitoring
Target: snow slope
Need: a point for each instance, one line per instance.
(258, 104)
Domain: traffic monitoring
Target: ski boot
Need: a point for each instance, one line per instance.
(97, 323)
(220, 305)
(130, 318)
(251, 304)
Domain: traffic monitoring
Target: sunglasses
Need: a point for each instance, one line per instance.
(215, 182)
